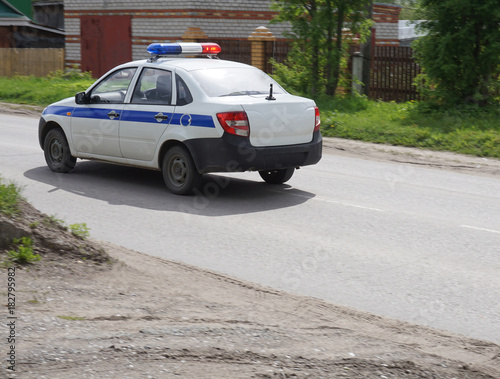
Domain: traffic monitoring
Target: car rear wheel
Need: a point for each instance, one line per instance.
(277, 176)
(57, 153)
(179, 171)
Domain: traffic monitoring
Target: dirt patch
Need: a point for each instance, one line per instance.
(21, 109)
(95, 310)
(443, 160)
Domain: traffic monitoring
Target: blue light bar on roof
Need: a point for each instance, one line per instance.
(159, 49)
(165, 49)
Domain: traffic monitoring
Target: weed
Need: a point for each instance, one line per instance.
(34, 225)
(9, 198)
(24, 253)
(79, 230)
(52, 220)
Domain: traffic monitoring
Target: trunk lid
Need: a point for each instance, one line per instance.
(288, 120)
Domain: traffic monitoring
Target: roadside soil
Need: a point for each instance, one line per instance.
(89, 309)
(442, 160)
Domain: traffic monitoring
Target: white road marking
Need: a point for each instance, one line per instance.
(325, 200)
(348, 204)
(483, 229)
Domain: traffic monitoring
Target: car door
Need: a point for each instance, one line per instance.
(95, 126)
(148, 114)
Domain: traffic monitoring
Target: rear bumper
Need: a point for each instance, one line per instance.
(232, 153)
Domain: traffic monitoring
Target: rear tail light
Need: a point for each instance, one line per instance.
(317, 121)
(235, 123)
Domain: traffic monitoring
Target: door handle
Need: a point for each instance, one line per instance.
(160, 117)
(112, 115)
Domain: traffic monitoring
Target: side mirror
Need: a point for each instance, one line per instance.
(81, 98)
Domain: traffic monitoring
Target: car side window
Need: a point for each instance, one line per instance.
(154, 87)
(183, 94)
(113, 89)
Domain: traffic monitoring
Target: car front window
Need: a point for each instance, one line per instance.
(234, 81)
(113, 89)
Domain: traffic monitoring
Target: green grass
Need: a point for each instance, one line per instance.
(43, 91)
(81, 230)
(467, 131)
(474, 131)
(24, 252)
(9, 198)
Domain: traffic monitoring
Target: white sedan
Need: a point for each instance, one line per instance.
(186, 117)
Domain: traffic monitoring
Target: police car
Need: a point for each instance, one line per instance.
(184, 116)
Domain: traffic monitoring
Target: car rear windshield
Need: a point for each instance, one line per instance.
(235, 81)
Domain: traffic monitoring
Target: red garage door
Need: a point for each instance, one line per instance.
(106, 42)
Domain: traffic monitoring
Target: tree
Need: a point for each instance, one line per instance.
(319, 43)
(460, 54)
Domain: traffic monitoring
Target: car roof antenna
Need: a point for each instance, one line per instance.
(271, 97)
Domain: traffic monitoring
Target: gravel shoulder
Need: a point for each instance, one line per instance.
(441, 160)
(89, 309)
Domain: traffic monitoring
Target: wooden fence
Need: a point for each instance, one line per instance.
(37, 62)
(392, 74)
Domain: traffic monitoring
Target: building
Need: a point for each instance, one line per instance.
(101, 34)
(18, 30)
(386, 30)
(49, 13)
(408, 32)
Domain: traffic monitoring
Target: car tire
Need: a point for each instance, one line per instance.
(179, 171)
(57, 153)
(277, 176)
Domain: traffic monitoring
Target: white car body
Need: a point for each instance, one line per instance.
(277, 131)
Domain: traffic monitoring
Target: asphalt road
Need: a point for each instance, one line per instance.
(411, 243)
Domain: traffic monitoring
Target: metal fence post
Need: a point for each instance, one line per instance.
(357, 72)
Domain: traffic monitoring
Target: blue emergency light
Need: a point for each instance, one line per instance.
(178, 48)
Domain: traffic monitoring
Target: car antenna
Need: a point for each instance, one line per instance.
(271, 97)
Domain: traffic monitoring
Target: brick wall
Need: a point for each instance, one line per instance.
(386, 19)
(161, 21)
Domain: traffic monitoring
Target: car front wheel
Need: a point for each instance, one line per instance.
(179, 171)
(57, 153)
(277, 176)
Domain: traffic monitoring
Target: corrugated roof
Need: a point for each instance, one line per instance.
(8, 11)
